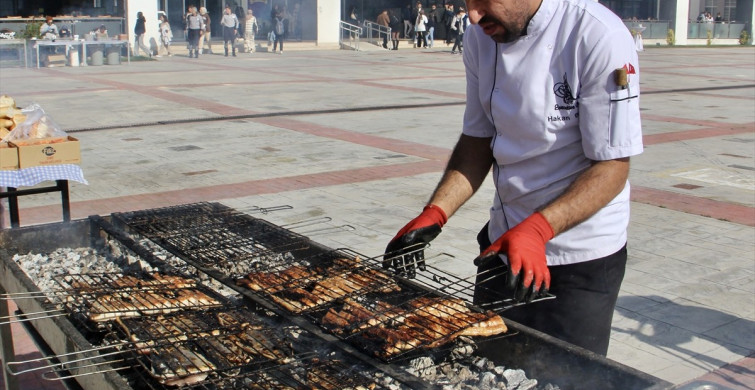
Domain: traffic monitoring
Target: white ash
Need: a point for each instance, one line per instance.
(185, 268)
(114, 257)
(463, 370)
(43, 268)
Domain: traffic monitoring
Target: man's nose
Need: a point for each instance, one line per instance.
(474, 16)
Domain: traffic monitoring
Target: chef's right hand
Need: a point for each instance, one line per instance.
(407, 248)
(524, 245)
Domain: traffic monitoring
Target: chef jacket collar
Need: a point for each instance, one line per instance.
(542, 17)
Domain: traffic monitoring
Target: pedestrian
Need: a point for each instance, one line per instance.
(206, 37)
(195, 28)
(241, 16)
(166, 35)
(271, 34)
(461, 22)
(250, 31)
(48, 30)
(449, 17)
(230, 25)
(384, 20)
(100, 33)
(280, 26)
(420, 27)
(139, 30)
(406, 16)
(430, 26)
(353, 19)
(557, 127)
(396, 25)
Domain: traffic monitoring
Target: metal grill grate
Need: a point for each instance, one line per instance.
(214, 236)
(229, 349)
(348, 294)
(313, 373)
(98, 298)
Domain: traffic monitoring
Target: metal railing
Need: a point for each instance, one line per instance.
(717, 30)
(350, 35)
(652, 30)
(77, 26)
(376, 32)
(658, 29)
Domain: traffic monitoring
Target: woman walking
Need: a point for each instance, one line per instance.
(396, 28)
(250, 31)
(206, 31)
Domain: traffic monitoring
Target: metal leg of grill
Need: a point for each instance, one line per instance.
(6, 339)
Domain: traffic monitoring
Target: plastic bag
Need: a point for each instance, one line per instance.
(38, 127)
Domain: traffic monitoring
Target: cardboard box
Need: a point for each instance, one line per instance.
(8, 157)
(43, 154)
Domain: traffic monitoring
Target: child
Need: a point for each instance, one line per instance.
(166, 35)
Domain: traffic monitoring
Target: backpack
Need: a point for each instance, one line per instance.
(279, 28)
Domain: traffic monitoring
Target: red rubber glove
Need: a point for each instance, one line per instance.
(406, 249)
(524, 245)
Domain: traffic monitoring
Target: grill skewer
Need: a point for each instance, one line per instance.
(38, 316)
(64, 366)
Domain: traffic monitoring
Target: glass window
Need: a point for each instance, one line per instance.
(730, 9)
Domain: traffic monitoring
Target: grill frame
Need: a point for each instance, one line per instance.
(63, 337)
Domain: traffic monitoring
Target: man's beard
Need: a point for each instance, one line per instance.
(511, 31)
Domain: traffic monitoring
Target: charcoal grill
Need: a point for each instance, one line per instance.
(256, 244)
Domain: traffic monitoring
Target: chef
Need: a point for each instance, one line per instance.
(553, 108)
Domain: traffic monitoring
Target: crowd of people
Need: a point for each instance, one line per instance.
(422, 25)
(237, 27)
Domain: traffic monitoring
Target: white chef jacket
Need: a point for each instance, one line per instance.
(552, 105)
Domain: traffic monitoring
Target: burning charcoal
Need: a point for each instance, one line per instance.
(499, 370)
(462, 374)
(481, 363)
(115, 249)
(513, 378)
(528, 384)
(488, 380)
(461, 351)
(423, 367)
(294, 332)
(550, 386)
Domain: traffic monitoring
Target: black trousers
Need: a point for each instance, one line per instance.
(193, 39)
(586, 295)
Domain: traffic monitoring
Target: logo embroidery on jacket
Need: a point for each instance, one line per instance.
(563, 91)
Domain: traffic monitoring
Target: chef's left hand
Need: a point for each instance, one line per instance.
(524, 245)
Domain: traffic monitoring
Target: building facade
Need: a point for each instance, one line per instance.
(318, 20)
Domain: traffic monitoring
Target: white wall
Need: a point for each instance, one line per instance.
(681, 22)
(149, 9)
(328, 19)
